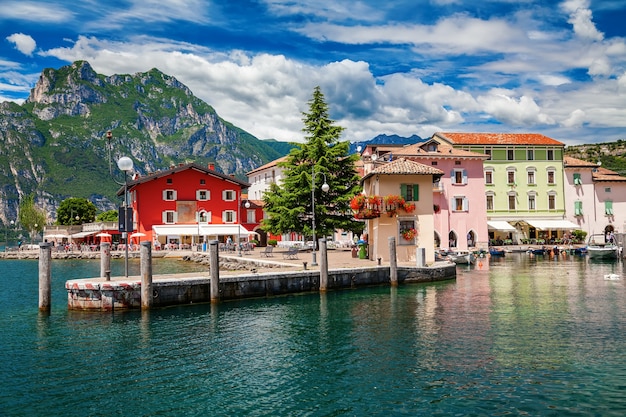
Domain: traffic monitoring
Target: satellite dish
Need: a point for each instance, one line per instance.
(359, 148)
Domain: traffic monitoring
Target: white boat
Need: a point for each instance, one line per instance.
(612, 277)
(462, 257)
(599, 248)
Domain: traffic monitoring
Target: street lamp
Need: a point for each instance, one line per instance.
(125, 164)
(246, 205)
(325, 188)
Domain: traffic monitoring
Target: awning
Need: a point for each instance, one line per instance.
(201, 230)
(81, 235)
(553, 224)
(500, 225)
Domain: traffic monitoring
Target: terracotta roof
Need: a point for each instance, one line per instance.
(268, 165)
(179, 168)
(458, 138)
(443, 151)
(603, 174)
(569, 162)
(403, 166)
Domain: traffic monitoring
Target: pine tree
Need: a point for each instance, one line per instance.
(324, 158)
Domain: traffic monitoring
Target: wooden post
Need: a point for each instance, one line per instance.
(393, 262)
(146, 275)
(214, 260)
(45, 281)
(105, 260)
(323, 265)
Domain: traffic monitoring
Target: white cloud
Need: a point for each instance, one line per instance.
(23, 43)
(518, 112)
(576, 119)
(34, 11)
(581, 19)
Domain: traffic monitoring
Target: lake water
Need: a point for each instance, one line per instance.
(524, 336)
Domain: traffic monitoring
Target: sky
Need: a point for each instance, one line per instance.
(396, 67)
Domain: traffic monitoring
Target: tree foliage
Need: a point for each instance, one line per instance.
(75, 210)
(324, 159)
(31, 217)
(107, 216)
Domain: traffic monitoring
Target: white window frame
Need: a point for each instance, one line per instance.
(199, 195)
(202, 213)
(225, 195)
(229, 213)
(490, 195)
(511, 170)
(166, 213)
(464, 204)
(491, 173)
(463, 173)
(532, 196)
(532, 170)
(551, 170)
(508, 200)
(169, 190)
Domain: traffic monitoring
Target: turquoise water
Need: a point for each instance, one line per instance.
(525, 337)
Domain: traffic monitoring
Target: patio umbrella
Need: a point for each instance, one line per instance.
(137, 235)
(104, 237)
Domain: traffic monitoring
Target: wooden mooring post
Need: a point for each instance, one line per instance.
(214, 260)
(393, 262)
(323, 265)
(147, 294)
(45, 280)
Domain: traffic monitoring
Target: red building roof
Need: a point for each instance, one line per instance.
(497, 139)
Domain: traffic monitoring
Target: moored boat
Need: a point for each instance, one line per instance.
(462, 257)
(599, 248)
(496, 251)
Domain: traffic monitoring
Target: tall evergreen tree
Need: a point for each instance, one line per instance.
(324, 159)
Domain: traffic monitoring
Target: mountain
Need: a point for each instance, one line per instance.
(612, 155)
(55, 145)
(386, 140)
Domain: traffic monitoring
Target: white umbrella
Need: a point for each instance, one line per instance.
(55, 236)
(103, 234)
(138, 234)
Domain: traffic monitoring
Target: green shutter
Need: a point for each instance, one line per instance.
(578, 208)
(608, 208)
(577, 179)
(403, 191)
(416, 192)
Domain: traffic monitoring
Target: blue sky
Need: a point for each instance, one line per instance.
(398, 67)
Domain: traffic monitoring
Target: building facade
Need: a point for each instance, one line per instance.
(186, 205)
(595, 197)
(524, 184)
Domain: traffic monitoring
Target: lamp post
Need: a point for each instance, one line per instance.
(325, 188)
(125, 164)
(246, 205)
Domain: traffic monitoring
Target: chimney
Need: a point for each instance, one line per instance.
(211, 166)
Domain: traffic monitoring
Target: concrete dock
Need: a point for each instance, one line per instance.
(253, 276)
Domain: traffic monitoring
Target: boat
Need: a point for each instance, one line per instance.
(462, 257)
(537, 251)
(611, 277)
(599, 248)
(496, 251)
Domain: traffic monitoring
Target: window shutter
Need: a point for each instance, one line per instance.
(452, 204)
(465, 204)
(453, 176)
(577, 180)
(464, 177)
(164, 194)
(403, 191)
(164, 217)
(174, 195)
(416, 192)
(608, 208)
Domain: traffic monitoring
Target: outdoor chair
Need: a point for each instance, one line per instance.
(267, 252)
(292, 253)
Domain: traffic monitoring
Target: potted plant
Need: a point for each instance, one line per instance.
(408, 234)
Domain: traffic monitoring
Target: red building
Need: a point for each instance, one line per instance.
(186, 205)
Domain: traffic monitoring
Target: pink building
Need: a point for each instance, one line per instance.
(459, 206)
